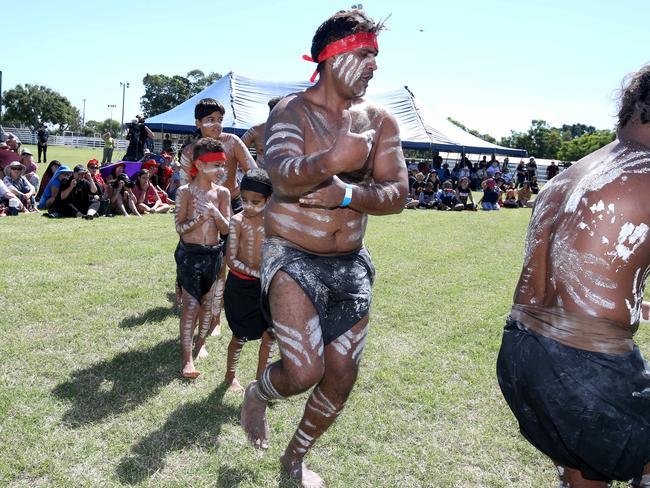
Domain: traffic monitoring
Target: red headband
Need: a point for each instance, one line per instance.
(212, 157)
(208, 158)
(349, 43)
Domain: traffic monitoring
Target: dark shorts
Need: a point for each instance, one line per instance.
(197, 267)
(242, 304)
(340, 287)
(585, 410)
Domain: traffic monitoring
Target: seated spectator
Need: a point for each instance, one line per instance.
(27, 159)
(13, 142)
(152, 168)
(427, 197)
(47, 176)
(9, 201)
(443, 173)
(433, 179)
(175, 180)
(492, 168)
(490, 198)
(147, 199)
(464, 194)
(510, 200)
(77, 196)
(7, 156)
(419, 186)
(524, 195)
(20, 187)
(52, 189)
(120, 193)
(534, 187)
(165, 170)
(447, 199)
(102, 191)
(463, 171)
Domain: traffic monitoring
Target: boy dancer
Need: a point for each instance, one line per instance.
(243, 292)
(208, 115)
(203, 212)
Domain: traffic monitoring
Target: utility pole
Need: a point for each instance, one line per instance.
(111, 119)
(124, 86)
(83, 117)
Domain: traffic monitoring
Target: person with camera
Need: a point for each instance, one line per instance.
(78, 196)
(137, 136)
(119, 191)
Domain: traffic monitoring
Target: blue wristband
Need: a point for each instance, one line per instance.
(347, 199)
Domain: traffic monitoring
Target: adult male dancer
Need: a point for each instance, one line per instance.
(255, 136)
(568, 366)
(333, 158)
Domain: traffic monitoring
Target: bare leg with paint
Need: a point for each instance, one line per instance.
(342, 357)
(265, 354)
(204, 318)
(304, 363)
(190, 312)
(215, 326)
(234, 350)
(301, 366)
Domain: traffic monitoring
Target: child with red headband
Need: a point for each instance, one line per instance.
(243, 292)
(202, 218)
(209, 114)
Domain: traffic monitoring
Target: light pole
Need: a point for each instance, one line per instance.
(124, 86)
(110, 125)
(83, 117)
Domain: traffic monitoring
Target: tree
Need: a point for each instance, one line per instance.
(32, 104)
(541, 140)
(108, 125)
(474, 132)
(579, 147)
(162, 92)
(570, 132)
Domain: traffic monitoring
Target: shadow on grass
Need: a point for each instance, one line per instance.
(118, 385)
(193, 425)
(156, 314)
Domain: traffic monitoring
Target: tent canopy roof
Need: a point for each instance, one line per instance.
(246, 101)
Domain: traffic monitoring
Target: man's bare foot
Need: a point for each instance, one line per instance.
(297, 470)
(253, 418)
(234, 385)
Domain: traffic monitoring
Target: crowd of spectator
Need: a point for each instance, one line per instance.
(436, 186)
(82, 191)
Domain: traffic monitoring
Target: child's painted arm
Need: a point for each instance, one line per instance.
(183, 202)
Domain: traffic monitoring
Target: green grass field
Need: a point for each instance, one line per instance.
(89, 357)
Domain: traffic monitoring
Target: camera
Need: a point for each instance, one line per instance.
(127, 182)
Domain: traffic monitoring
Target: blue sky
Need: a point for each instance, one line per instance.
(494, 65)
